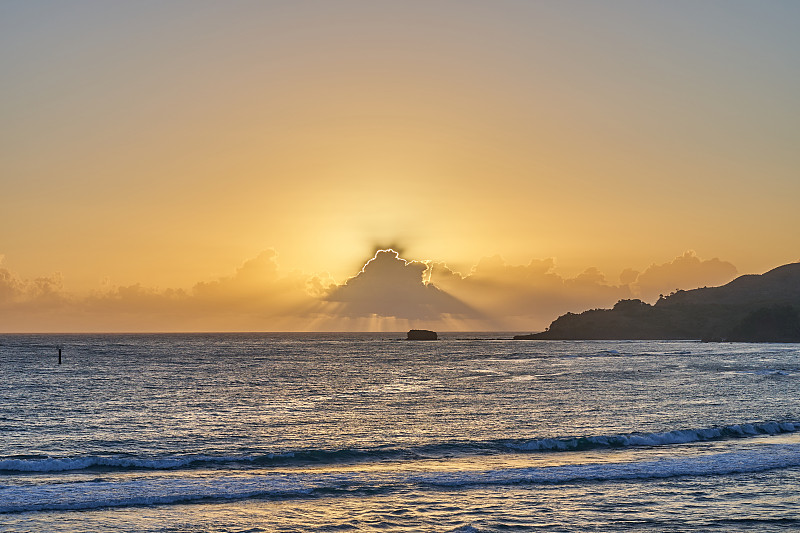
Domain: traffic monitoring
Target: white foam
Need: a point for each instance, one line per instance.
(768, 458)
(772, 372)
(79, 463)
(678, 436)
(151, 491)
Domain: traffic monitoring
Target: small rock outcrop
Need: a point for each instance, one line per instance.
(421, 335)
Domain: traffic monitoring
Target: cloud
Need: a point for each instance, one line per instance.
(256, 297)
(389, 293)
(22, 299)
(10, 286)
(389, 286)
(258, 286)
(527, 297)
(686, 271)
(31, 292)
(628, 276)
(531, 296)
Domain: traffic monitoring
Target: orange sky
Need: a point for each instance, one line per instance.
(164, 145)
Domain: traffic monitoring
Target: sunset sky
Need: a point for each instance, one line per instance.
(198, 165)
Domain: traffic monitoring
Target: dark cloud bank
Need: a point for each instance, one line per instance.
(393, 287)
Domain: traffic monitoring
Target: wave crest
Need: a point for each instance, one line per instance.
(678, 436)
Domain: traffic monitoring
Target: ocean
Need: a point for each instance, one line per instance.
(370, 432)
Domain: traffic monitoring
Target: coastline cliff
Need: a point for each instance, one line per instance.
(751, 308)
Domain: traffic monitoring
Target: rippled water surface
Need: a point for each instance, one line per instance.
(337, 432)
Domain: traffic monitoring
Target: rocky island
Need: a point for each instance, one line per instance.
(751, 308)
(421, 335)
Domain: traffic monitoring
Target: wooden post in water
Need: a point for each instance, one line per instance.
(59, 356)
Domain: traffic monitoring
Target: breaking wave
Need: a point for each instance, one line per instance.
(31, 464)
(282, 485)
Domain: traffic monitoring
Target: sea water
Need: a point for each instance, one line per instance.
(370, 432)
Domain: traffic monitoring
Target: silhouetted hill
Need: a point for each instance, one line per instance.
(768, 324)
(755, 308)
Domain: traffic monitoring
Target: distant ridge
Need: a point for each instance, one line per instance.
(751, 308)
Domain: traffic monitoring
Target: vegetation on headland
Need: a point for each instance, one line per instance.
(752, 308)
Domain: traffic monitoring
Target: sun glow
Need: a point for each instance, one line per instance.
(138, 174)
